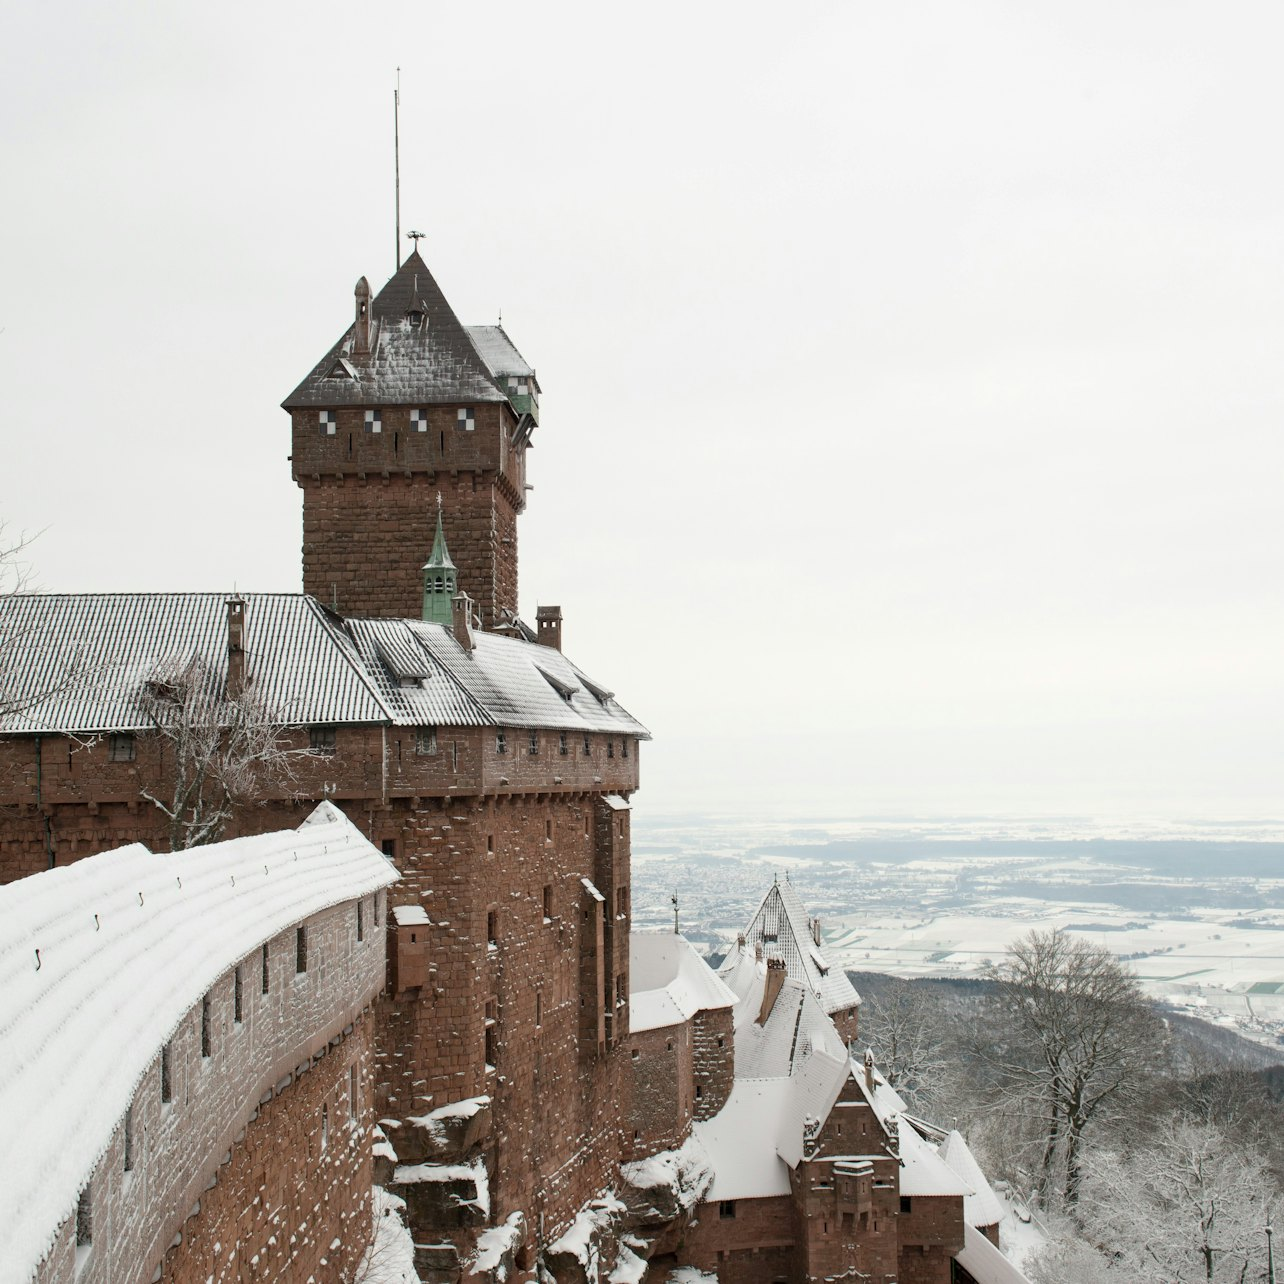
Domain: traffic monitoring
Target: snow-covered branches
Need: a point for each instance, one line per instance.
(221, 751)
(908, 1030)
(1078, 1034)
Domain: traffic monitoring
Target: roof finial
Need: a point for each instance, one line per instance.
(674, 899)
(416, 237)
(501, 317)
(439, 501)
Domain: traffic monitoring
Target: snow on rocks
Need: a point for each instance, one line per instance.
(668, 1185)
(577, 1255)
(390, 1258)
(447, 1133)
(496, 1250)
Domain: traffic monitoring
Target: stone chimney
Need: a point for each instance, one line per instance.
(461, 620)
(361, 328)
(235, 646)
(771, 988)
(869, 1070)
(815, 929)
(548, 619)
(757, 951)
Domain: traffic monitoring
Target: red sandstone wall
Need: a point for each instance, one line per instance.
(713, 1051)
(235, 1153)
(756, 1246)
(663, 1088)
(370, 508)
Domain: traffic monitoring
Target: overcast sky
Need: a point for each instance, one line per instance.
(910, 437)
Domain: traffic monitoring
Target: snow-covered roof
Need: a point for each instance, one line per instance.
(783, 927)
(307, 666)
(669, 982)
(498, 351)
(741, 1142)
(302, 663)
(984, 1262)
(503, 681)
(433, 363)
(981, 1207)
(923, 1171)
(101, 960)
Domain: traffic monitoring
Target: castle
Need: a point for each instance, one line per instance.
(536, 1103)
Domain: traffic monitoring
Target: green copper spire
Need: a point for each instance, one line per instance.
(440, 578)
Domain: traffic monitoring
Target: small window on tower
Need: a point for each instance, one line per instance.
(374, 421)
(419, 420)
(321, 740)
(562, 747)
(532, 743)
(588, 747)
(426, 740)
(464, 420)
(610, 748)
(121, 748)
(327, 422)
(501, 742)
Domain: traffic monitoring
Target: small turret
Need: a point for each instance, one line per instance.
(440, 579)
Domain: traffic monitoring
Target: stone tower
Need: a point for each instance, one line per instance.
(409, 404)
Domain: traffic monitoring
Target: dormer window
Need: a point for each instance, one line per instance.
(374, 421)
(464, 419)
(414, 314)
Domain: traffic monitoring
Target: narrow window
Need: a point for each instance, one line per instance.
(238, 999)
(325, 1128)
(321, 740)
(548, 831)
(532, 744)
(490, 844)
(726, 1209)
(906, 1204)
(501, 743)
(610, 748)
(129, 1138)
(426, 740)
(265, 968)
(85, 1217)
(122, 748)
(699, 1091)
(361, 924)
(548, 901)
(376, 909)
(492, 1035)
(624, 748)
(389, 848)
(352, 1092)
(207, 1041)
(588, 747)
(562, 747)
(301, 949)
(167, 1081)
(492, 927)
(539, 1008)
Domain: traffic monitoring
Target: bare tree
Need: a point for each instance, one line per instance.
(1190, 1204)
(226, 750)
(1078, 1036)
(908, 1029)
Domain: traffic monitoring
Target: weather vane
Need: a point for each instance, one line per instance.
(416, 237)
(674, 899)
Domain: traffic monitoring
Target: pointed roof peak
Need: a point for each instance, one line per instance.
(439, 558)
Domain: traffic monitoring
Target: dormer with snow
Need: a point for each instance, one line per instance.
(407, 405)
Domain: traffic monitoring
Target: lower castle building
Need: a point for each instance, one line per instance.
(553, 1095)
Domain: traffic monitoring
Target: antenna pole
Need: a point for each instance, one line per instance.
(396, 164)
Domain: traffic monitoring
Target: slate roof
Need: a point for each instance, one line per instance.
(128, 943)
(303, 664)
(783, 926)
(498, 352)
(308, 666)
(503, 681)
(433, 363)
(669, 982)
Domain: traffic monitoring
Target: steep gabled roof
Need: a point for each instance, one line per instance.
(433, 363)
(499, 352)
(783, 927)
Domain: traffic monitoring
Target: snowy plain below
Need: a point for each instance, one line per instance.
(1196, 909)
